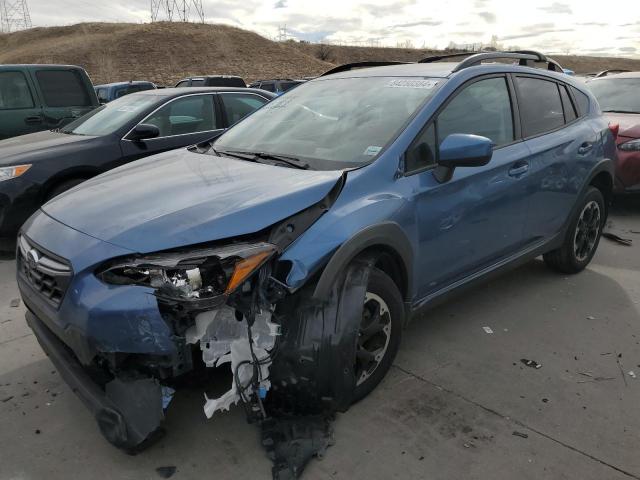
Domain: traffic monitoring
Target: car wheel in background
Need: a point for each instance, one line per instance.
(583, 235)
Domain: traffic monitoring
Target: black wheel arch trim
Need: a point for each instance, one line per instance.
(607, 166)
(386, 234)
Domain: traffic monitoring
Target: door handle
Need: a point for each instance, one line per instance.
(33, 120)
(585, 148)
(519, 169)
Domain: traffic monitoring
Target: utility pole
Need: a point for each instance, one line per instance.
(177, 11)
(14, 15)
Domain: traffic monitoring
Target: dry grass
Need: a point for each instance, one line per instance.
(166, 52)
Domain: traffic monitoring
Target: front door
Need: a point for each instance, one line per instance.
(475, 219)
(182, 121)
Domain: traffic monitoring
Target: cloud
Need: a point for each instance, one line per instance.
(592, 24)
(487, 17)
(628, 49)
(557, 7)
(429, 23)
(280, 4)
(536, 31)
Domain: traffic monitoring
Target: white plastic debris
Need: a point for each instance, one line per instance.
(487, 330)
(590, 317)
(632, 374)
(240, 352)
(224, 339)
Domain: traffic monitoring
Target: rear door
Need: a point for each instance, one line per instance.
(182, 121)
(236, 105)
(66, 95)
(474, 220)
(20, 112)
(563, 148)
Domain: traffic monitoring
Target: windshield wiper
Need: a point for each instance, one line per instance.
(256, 156)
(289, 160)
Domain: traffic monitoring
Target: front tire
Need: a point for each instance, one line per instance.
(583, 236)
(380, 332)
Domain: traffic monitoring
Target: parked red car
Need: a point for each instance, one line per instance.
(619, 99)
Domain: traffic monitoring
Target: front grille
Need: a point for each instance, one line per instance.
(47, 274)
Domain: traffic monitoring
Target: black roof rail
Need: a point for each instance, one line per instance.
(524, 57)
(551, 63)
(352, 66)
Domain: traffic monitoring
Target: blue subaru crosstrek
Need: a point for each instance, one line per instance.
(297, 244)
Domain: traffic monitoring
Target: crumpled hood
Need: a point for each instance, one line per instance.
(38, 145)
(629, 123)
(181, 198)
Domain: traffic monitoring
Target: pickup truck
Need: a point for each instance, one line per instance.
(42, 97)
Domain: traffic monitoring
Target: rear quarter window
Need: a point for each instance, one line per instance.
(582, 101)
(540, 105)
(62, 88)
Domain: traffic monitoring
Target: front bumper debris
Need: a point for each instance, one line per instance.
(128, 412)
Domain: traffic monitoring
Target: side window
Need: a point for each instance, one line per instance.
(483, 108)
(540, 105)
(185, 115)
(183, 83)
(239, 105)
(197, 82)
(284, 86)
(422, 152)
(582, 102)
(269, 87)
(567, 105)
(62, 88)
(102, 95)
(14, 91)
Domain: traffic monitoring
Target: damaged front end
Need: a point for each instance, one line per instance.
(291, 355)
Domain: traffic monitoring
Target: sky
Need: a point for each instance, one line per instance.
(553, 26)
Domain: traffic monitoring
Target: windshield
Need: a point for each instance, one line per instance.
(112, 116)
(617, 94)
(333, 123)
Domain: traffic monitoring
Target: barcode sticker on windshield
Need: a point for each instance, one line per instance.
(372, 150)
(412, 83)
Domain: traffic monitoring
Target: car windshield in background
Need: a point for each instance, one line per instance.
(112, 116)
(617, 94)
(333, 123)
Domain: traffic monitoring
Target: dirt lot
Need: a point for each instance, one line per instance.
(449, 409)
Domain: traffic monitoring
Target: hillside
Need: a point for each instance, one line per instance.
(161, 52)
(166, 52)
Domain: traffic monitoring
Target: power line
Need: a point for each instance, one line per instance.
(177, 11)
(14, 15)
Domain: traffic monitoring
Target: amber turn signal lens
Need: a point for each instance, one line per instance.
(245, 267)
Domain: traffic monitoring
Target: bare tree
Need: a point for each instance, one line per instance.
(324, 52)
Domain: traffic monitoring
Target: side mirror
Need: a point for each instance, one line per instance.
(144, 131)
(462, 150)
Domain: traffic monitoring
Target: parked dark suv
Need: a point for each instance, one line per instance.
(212, 81)
(42, 97)
(277, 86)
(296, 247)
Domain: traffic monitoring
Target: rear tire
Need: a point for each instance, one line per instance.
(583, 235)
(63, 187)
(383, 298)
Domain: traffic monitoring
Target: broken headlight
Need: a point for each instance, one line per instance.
(194, 274)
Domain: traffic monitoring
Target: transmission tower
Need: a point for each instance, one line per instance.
(14, 15)
(176, 10)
